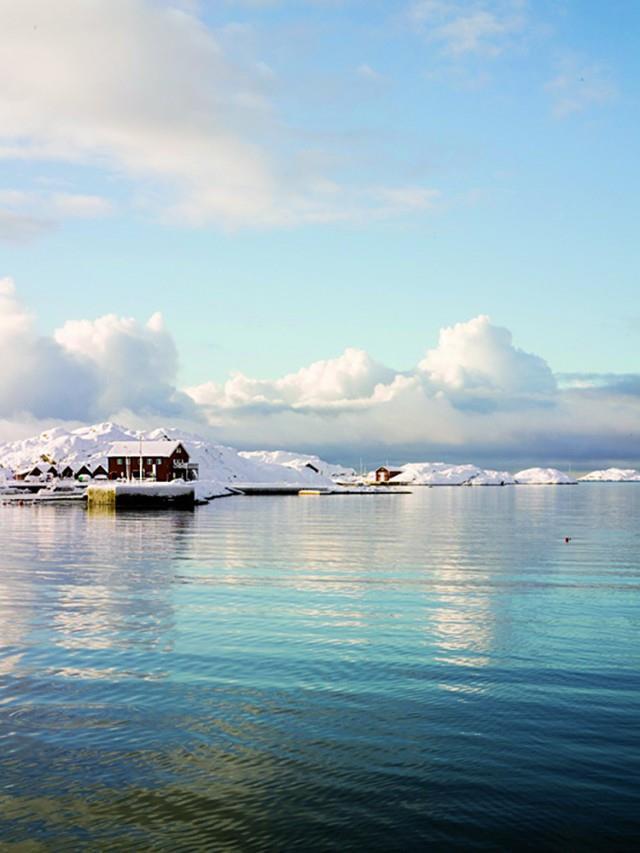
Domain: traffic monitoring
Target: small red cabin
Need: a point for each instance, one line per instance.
(384, 474)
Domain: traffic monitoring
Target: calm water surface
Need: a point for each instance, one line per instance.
(428, 671)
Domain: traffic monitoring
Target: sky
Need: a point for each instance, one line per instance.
(367, 228)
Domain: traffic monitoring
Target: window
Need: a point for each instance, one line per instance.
(158, 461)
(149, 461)
(119, 461)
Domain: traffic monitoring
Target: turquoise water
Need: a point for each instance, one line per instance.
(436, 670)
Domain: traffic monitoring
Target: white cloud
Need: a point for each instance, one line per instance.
(36, 376)
(579, 86)
(478, 357)
(80, 206)
(144, 91)
(338, 383)
(477, 27)
(474, 393)
(368, 73)
(88, 369)
(20, 227)
(26, 214)
(136, 364)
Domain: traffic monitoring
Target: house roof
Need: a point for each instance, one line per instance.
(162, 449)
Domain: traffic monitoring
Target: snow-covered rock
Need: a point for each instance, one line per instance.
(543, 476)
(612, 475)
(300, 462)
(488, 477)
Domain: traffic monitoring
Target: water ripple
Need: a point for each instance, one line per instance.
(433, 670)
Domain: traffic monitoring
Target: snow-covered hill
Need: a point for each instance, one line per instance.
(435, 474)
(543, 477)
(220, 466)
(612, 475)
(301, 461)
(488, 477)
(78, 447)
(444, 474)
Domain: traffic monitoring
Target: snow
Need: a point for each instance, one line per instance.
(435, 474)
(612, 475)
(220, 467)
(150, 489)
(162, 448)
(300, 461)
(543, 476)
(493, 478)
(78, 447)
(444, 474)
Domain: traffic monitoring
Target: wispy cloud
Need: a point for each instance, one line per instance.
(191, 129)
(578, 86)
(469, 27)
(366, 72)
(27, 214)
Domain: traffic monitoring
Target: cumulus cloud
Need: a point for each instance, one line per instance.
(477, 361)
(145, 91)
(88, 369)
(475, 365)
(347, 381)
(36, 376)
(136, 364)
(475, 394)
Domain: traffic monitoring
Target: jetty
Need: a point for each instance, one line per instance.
(143, 495)
(264, 489)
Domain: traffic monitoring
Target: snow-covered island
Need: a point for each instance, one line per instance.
(221, 469)
(445, 474)
(612, 475)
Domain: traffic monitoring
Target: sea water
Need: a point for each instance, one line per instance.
(436, 670)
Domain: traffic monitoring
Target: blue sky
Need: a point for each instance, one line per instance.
(282, 180)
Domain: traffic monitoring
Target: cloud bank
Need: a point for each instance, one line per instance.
(474, 393)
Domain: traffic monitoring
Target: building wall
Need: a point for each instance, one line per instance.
(383, 475)
(164, 470)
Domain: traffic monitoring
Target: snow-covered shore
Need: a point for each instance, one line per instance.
(223, 470)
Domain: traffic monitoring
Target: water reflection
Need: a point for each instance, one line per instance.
(343, 672)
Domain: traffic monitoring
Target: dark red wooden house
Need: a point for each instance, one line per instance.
(162, 460)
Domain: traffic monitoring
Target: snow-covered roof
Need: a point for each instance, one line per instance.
(162, 449)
